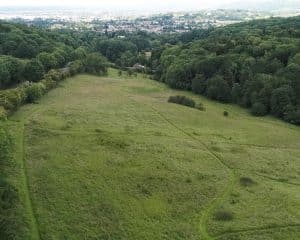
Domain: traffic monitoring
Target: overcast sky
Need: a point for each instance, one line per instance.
(122, 3)
(142, 4)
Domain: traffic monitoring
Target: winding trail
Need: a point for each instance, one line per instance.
(35, 233)
(218, 199)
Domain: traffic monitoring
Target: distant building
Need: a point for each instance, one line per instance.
(138, 67)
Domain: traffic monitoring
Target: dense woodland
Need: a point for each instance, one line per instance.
(254, 64)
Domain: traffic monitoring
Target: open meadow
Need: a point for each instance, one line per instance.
(110, 158)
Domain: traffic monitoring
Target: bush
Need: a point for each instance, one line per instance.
(13, 98)
(223, 215)
(225, 114)
(200, 106)
(34, 91)
(55, 75)
(182, 100)
(3, 113)
(246, 181)
(76, 67)
(259, 109)
(48, 83)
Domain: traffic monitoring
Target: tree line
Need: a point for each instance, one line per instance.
(254, 64)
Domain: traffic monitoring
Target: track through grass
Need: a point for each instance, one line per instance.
(29, 205)
(216, 201)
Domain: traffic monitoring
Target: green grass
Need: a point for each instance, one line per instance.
(110, 158)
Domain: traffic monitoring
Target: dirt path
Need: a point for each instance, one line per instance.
(35, 234)
(219, 199)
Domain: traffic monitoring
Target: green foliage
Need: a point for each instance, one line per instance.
(27, 49)
(182, 100)
(280, 100)
(4, 74)
(95, 64)
(113, 49)
(34, 70)
(29, 52)
(12, 99)
(241, 63)
(223, 215)
(48, 60)
(49, 83)
(11, 71)
(199, 84)
(258, 109)
(246, 181)
(200, 106)
(34, 91)
(76, 67)
(56, 75)
(8, 194)
(218, 89)
(3, 113)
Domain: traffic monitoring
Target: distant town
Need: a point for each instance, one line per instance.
(106, 22)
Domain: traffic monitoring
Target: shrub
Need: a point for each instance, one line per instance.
(76, 67)
(200, 106)
(223, 215)
(55, 75)
(129, 72)
(226, 114)
(258, 109)
(246, 181)
(11, 99)
(3, 113)
(182, 100)
(34, 91)
(49, 83)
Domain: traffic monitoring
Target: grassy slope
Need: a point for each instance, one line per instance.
(109, 158)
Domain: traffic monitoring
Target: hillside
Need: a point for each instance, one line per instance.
(254, 64)
(110, 158)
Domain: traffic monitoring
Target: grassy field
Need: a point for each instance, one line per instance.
(110, 158)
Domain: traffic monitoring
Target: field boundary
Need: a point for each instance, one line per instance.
(35, 233)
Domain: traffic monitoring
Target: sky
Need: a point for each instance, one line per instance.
(157, 5)
(121, 3)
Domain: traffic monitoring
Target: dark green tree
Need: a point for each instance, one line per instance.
(34, 70)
